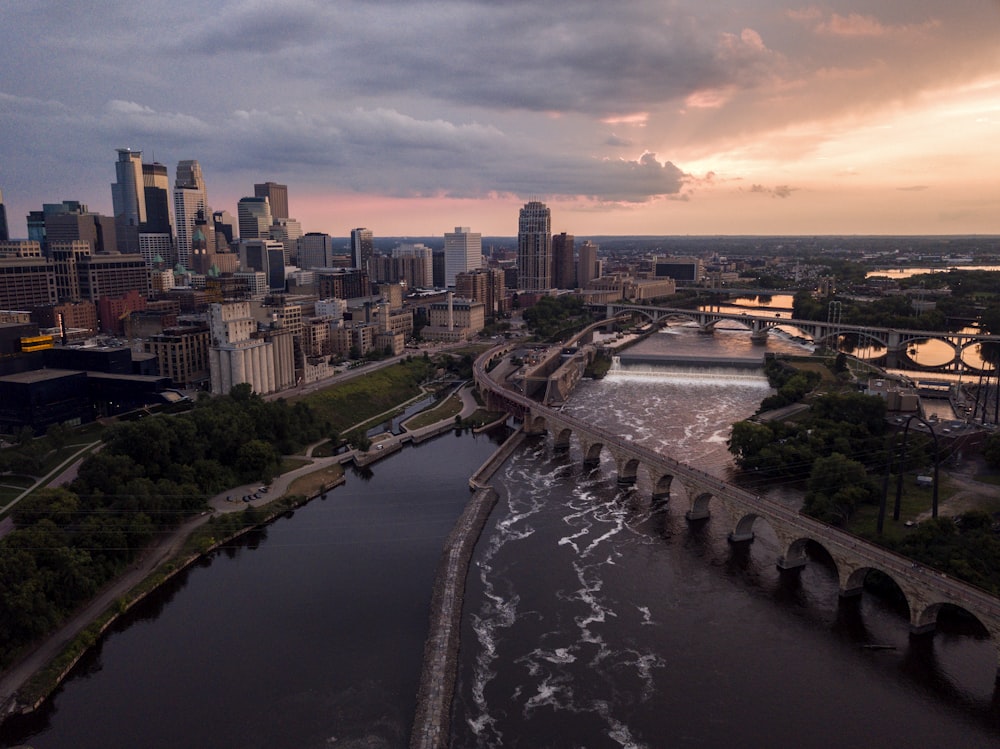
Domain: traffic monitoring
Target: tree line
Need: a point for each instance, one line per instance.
(149, 476)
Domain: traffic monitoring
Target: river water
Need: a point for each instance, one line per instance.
(596, 618)
(592, 617)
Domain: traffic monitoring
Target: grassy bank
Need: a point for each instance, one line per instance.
(368, 396)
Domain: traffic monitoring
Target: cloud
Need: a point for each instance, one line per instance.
(913, 188)
(778, 191)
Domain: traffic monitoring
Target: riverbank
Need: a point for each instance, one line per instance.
(27, 683)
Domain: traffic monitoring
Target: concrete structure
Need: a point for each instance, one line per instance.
(239, 354)
(534, 247)
(463, 252)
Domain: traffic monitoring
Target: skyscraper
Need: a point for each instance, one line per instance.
(127, 193)
(534, 247)
(563, 270)
(129, 199)
(190, 196)
(4, 231)
(463, 251)
(156, 236)
(254, 215)
(315, 250)
(362, 249)
(277, 196)
(586, 269)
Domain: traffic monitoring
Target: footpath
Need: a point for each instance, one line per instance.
(16, 676)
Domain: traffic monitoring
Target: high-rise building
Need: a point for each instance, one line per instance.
(226, 228)
(128, 197)
(587, 268)
(254, 215)
(156, 234)
(127, 193)
(463, 251)
(288, 231)
(484, 285)
(277, 196)
(315, 250)
(190, 196)
(362, 249)
(414, 264)
(534, 247)
(563, 270)
(4, 230)
(99, 231)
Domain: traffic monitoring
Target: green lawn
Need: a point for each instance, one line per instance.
(374, 393)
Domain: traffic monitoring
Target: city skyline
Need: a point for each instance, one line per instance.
(633, 118)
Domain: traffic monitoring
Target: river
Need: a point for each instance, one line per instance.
(592, 617)
(596, 618)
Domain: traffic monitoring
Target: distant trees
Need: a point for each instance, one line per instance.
(550, 317)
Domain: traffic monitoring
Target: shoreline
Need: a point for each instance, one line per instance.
(29, 681)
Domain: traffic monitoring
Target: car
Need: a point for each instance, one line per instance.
(256, 495)
(246, 497)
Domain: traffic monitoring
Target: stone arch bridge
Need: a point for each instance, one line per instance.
(895, 342)
(926, 591)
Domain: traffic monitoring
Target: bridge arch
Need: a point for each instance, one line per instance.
(699, 509)
(561, 439)
(661, 484)
(627, 470)
(592, 453)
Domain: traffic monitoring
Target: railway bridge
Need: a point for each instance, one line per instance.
(926, 590)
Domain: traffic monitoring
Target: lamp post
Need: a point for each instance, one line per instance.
(899, 477)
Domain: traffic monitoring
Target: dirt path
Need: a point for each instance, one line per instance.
(15, 677)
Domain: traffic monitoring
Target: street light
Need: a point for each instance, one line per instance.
(899, 477)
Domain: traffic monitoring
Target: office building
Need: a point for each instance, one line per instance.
(288, 231)
(315, 250)
(190, 197)
(362, 249)
(128, 193)
(254, 216)
(534, 247)
(587, 267)
(277, 196)
(563, 268)
(26, 282)
(463, 251)
(182, 355)
(79, 225)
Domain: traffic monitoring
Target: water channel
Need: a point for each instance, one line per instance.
(593, 618)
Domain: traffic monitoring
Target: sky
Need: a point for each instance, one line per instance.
(654, 117)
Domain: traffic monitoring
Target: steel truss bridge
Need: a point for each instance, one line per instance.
(895, 342)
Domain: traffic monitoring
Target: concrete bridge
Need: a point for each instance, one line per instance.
(926, 591)
(895, 342)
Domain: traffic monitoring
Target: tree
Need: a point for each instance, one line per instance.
(257, 460)
(837, 485)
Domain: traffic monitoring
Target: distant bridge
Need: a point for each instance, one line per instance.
(894, 341)
(925, 590)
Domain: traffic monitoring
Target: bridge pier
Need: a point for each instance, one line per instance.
(738, 538)
(788, 562)
(698, 514)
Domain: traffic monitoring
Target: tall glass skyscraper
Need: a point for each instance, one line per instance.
(362, 249)
(534, 247)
